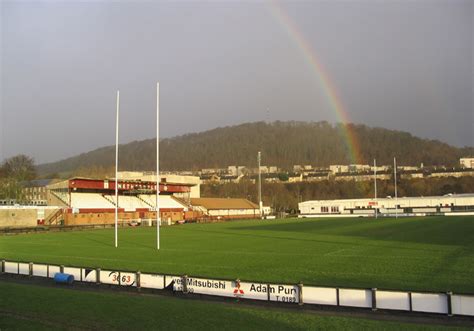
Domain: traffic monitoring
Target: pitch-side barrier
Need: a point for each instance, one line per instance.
(438, 303)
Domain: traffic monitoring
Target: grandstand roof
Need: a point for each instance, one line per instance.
(37, 182)
(223, 203)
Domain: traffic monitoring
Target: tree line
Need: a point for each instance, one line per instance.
(13, 173)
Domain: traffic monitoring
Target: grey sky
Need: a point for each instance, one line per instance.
(404, 65)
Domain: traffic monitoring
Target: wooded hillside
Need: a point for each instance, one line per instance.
(282, 144)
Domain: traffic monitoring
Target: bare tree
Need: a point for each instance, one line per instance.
(19, 168)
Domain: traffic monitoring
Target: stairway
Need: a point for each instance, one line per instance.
(55, 218)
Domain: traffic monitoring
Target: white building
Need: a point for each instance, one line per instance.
(302, 168)
(336, 168)
(467, 162)
(407, 168)
(236, 170)
(450, 204)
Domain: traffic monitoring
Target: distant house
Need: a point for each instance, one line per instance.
(295, 178)
(315, 176)
(35, 192)
(236, 170)
(230, 178)
(210, 179)
(467, 162)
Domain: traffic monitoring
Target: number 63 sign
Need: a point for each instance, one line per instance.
(117, 278)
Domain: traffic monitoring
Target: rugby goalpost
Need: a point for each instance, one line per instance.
(116, 166)
(158, 217)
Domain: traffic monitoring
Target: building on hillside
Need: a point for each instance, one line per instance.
(269, 178)
(237, 170)
(407, 168)
(295, 178)
(35, 192)
(213, 171)
(381, 168)
(411, 174)
(452, 173)
(7, 202)
(359, 168)
(266, 170)
(449, 204)
(210, 179)
(316, 176)
(230, 179)
(337, 169)
(467, 162)
(361, 177)
(273, 169)
(226, 208)
(351, 168)
(297, 168)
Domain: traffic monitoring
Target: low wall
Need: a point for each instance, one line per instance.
(26, 216)
(109, 218)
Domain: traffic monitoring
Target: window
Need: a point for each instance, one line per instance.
(324, 209)
(335, 209)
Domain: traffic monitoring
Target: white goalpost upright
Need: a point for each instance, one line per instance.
(395, 184)
(375, 187)
(260, 203)
(116, 168)
(158, 217)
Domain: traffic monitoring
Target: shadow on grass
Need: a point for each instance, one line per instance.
(102, 242)
(429, 230)
(109, 241)
(342, 242)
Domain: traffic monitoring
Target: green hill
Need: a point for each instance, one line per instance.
(282, 144)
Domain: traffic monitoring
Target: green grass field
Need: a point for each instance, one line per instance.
(432, 253)
(29, 307)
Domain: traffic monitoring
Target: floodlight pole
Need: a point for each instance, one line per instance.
(116, 168)
(260, 204)
(375, 187)
(395, 180)
(158, 217)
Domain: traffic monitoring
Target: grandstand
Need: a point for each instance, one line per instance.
(90, 201)
(83, 201)
(166, 201)
(95, 200)
(128, 202)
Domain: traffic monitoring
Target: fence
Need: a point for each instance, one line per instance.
(438, 303)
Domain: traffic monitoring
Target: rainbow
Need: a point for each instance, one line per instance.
(329, 89)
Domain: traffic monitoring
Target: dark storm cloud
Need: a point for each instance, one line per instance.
(404, 65)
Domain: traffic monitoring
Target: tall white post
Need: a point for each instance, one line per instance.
(260, 204)
(158, 216)
(375, 187)
(116, 168)
(395, 180)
